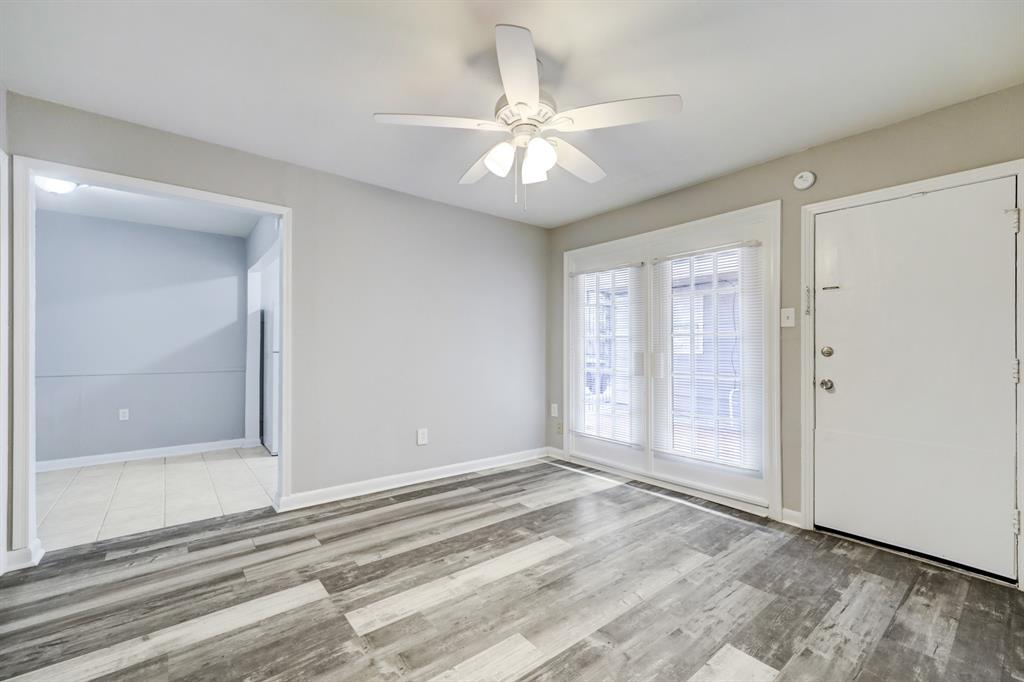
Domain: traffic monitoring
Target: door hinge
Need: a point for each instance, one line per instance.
(1014, 214)
(1016, 522)
(807, 300)
(1015, 371)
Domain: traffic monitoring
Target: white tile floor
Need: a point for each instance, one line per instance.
(74, 506)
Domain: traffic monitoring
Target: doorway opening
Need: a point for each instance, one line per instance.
(133, 385)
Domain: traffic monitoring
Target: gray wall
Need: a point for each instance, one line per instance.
(976, 133)
(406, 313)
(3, 118)
(141, 317)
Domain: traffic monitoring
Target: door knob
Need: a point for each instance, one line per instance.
(827, 384)
(827, 351)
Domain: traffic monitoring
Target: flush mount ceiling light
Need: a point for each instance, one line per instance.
(529, 116)
(55, 186)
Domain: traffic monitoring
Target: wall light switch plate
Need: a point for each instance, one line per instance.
(123, 414)
(554, 409)
(421, 437)
(787, 317)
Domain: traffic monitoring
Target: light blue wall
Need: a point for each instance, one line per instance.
(141, 317)
(263, 236)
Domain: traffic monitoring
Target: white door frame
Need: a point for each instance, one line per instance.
(5, 377)
(24, 540)
(807, 354)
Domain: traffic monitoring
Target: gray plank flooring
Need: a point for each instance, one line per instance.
(542, 571)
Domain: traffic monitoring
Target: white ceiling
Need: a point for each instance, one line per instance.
(181, 213)
(299, 81)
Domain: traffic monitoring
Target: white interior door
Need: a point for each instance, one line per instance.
(915, 440)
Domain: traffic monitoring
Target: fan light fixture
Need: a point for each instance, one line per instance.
(499, 160)
(532, 175)
(541, 154)
(55, 186)
(540, 158)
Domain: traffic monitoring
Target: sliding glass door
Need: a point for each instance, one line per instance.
(608, 350)
(708, 387)
(673, 357)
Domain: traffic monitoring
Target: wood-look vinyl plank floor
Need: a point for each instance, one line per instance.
(544, 571)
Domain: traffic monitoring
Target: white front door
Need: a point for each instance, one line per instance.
(914, 441)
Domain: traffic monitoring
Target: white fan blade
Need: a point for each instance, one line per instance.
(576, 162)
(439, 121)
(517, 62)
(477, 170)
(619, 113)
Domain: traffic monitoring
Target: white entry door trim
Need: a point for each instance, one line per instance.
(807, 327)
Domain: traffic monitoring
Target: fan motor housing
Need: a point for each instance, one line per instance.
(506, 114)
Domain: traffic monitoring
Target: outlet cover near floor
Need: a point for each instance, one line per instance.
(421, 436)
(123, 414)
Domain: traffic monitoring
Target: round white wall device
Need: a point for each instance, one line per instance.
(804, 179)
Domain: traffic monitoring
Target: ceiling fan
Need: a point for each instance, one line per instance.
(529, 116)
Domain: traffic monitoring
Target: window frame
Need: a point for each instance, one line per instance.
(760, 494)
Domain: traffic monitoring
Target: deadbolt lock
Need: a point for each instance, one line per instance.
(827, 351)
(827, 384)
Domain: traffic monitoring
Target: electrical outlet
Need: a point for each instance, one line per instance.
(421, 437)
(554, 410)
(123, 414)
(559, 428)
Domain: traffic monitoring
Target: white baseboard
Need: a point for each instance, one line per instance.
(373, 485)
(750, 508)
(250, 443)
(26, 557)
(790, 516)
(793, 517)
(131, 455)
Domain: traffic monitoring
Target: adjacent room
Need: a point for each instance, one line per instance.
(499, 341)
(154, 328)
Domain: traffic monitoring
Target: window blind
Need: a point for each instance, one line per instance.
(708, 357)
(607, 354)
